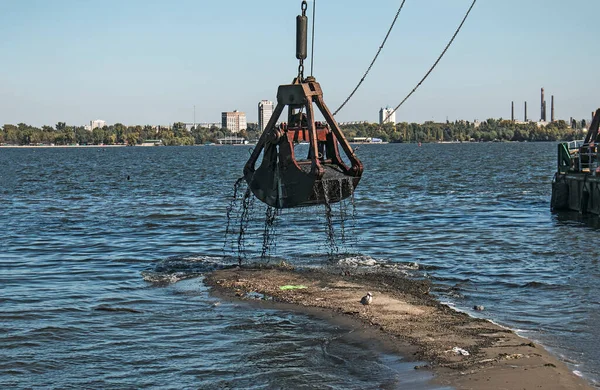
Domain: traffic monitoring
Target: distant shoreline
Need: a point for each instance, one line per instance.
(252, 144)
(61, 146)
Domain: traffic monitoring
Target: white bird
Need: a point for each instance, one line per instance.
(367, 299)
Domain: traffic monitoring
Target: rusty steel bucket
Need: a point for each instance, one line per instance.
(282, 180)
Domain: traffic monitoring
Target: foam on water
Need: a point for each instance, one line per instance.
(174, 269)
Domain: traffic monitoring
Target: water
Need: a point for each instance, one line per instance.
(101, 277)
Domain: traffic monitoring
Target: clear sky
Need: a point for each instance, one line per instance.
(150, 62)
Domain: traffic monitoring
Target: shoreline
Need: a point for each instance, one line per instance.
(62, 146)
(461, 351)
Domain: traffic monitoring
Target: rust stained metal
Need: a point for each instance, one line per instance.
(284, 181)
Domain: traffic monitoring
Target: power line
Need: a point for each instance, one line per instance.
(372, 62)
(434, 64)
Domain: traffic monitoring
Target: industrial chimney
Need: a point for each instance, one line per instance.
(552, 108)
(525, 111)
(512, 111)
(543, 109)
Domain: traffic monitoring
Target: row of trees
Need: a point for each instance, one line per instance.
(178, 134)
(117, 134)
(490, 130)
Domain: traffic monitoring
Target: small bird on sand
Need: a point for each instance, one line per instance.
(367, 299)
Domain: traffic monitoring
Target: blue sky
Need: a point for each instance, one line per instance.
(150, 62)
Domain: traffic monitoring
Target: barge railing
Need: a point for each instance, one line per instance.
(576, 184)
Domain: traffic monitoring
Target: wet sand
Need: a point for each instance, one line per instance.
(405, 319)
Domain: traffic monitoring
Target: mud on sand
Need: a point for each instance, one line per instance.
(403, 317)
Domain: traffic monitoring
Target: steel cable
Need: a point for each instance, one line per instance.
(372, 62)
(434, 64)
(312, 49)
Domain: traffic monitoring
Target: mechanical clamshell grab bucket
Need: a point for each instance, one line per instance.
(290, 186)
(281, 180)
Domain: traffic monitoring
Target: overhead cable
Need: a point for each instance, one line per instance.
(434, 64)
(374, 59)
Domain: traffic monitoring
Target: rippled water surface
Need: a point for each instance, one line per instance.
(101, 276)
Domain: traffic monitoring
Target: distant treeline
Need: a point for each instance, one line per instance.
(119, 134)
(490, 130)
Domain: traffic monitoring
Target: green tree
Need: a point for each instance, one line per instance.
(119, 131)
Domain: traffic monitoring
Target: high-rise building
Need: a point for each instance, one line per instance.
(387, 115)
(265, 111)
(234, 121)
(98, 123)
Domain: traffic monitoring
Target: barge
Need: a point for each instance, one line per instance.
(576, 184)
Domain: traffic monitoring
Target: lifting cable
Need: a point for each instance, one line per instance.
(372, 62)
(312, 49)
(434, 64)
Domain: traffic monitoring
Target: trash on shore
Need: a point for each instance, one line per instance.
(460, 351)
(292, 287)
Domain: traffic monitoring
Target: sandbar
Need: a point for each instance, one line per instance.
(462, 351)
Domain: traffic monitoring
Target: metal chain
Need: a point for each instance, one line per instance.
(372, 62)
(434, 64)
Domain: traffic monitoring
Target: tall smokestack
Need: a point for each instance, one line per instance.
(525, 111)
(552, 108)
(512, 111)
(543, 107)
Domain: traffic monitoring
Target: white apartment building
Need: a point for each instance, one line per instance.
(387, 113)
(98, 123)
(234, 121)
(265, 111)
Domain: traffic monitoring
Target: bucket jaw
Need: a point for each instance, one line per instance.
(282, 180)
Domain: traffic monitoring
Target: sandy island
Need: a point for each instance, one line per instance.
(403, 318)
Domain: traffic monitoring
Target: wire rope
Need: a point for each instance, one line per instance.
(372, 62)
(434, 64)
(312, 48)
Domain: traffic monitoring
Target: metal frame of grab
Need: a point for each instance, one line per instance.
(281, 181)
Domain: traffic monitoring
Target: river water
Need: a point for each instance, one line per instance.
(102, 252)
